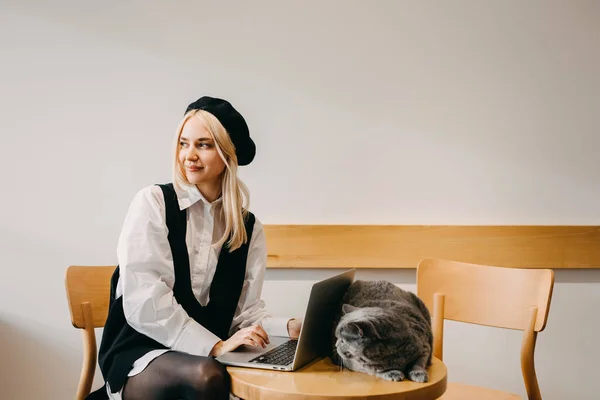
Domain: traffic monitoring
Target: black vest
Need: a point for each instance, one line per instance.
(122, 345)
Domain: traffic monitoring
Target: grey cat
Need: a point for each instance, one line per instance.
(384, 331)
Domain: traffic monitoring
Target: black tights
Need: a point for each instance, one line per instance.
(179, 376)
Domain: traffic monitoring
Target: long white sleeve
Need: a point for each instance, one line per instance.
(147, 278)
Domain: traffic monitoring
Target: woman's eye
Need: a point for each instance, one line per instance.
(182, 144)
(204, 146)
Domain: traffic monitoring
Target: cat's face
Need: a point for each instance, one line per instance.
(373, 339)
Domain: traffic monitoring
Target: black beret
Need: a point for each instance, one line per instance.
(234, 124)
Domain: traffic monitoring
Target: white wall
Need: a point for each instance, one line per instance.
(396, 112)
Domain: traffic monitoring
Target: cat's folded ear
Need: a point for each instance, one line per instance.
(354, 330)
(360, 329)
(347, 308)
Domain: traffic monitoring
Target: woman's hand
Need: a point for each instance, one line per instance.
(294, 325)
(252, 336)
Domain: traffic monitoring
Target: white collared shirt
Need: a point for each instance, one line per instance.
(147, 273)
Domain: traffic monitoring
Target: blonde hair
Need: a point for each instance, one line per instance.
(234, 193)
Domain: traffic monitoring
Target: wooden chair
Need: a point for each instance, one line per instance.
(510, 298)
(88, 291)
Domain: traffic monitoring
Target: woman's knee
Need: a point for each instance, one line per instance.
(211, 380)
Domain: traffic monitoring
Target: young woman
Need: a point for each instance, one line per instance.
(191, 268)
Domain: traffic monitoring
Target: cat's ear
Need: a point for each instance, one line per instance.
(347, 308)
(355, 330)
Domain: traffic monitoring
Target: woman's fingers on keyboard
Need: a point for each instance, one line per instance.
(252, 339)
(258, 330)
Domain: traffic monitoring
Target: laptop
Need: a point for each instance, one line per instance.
(285, 354)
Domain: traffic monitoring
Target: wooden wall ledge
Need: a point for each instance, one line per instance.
(403, 246)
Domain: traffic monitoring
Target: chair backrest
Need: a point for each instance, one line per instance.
(88, 292)
(512, 298)
(88, 285)
(487, 295)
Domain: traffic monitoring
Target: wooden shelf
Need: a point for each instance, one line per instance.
(403, 246)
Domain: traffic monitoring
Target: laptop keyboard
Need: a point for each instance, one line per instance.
(280, 355)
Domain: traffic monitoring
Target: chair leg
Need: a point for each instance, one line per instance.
(89, 353)
(527, 358)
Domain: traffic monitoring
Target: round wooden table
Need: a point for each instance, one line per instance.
(323, 380)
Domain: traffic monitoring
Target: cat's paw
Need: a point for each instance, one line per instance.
(392, 375)
(418, 375)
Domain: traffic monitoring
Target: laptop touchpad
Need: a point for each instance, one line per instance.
(249, 349)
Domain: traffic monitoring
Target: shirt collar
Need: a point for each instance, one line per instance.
(188, 195)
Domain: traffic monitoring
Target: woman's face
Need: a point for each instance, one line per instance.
(198, 155)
